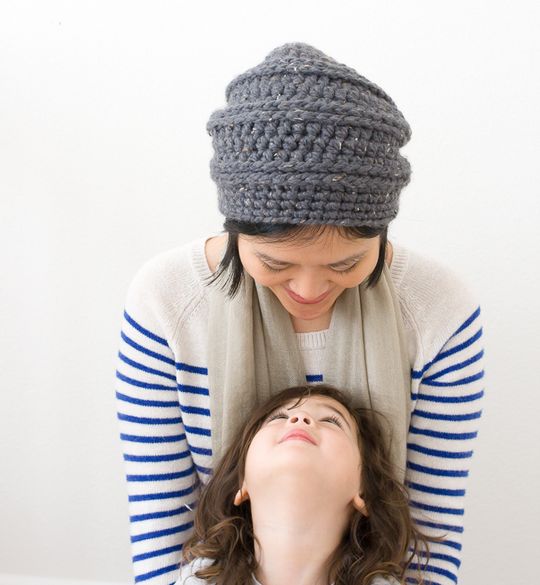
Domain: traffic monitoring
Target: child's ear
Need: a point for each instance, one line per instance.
(359, 503)
(241, 496)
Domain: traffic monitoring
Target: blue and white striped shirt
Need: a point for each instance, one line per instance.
(164, 405)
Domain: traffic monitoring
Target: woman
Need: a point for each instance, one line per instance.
(298, 498)
(303, 286)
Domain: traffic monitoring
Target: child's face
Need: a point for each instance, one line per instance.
(316, 438)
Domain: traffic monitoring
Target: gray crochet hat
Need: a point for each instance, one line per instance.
(304, 139)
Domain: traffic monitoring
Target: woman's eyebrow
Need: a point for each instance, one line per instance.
(354, 258)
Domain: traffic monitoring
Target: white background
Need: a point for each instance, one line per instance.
(104, 163)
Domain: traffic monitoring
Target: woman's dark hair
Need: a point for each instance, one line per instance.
(286, 232)
(385, 542)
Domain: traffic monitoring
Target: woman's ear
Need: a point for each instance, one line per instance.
(360, 504)
(241, 496)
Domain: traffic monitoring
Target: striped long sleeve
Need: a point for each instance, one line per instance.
(161, 477)
(164, 403)
(443, 429)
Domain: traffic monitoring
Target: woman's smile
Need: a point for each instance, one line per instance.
(307, 278)
(304, 301)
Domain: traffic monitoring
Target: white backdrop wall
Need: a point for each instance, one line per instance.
(104, 163)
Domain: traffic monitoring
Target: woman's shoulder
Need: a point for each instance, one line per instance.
(167, 288)
(178, 273)
(435, 299)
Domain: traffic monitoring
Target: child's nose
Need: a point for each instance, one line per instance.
(304, 417)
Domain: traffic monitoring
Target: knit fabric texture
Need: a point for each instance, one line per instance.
(165, 416)
(304, 139)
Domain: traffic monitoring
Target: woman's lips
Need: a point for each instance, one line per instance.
(299, 434)
(304, 301)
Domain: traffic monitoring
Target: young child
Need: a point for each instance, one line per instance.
(305, 495)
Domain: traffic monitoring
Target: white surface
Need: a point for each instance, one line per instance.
(33, 580)
(104, 162)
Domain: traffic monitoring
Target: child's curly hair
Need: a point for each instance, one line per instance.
(385, 542)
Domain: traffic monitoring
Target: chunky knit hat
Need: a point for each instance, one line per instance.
(304, 139)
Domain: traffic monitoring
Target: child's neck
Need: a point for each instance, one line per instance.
(296, 538)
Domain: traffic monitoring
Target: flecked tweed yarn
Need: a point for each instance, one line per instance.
(304, 139)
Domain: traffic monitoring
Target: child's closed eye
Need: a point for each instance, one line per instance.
(282, 414)
(275, 415)
(333, 419)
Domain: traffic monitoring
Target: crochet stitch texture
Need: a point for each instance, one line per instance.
(305, 139)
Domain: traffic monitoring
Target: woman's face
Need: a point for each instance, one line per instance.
(317, 440)
(308, 277)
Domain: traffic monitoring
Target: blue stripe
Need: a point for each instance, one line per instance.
(437, 453)
(438, 509)
(162, 476)
(162, 495)
(146, 351)
(447, 527)
(419, 373)
(192, 369)
(460, 382)
(456, 367)
(441, 472)
(440, 556)
(149, 421)
(438, 416)
(413, 581)
(157, 553)
(470, 320)
(451, 399)
(193, 389)
(437, 491)
(164, 514)
(160, 533)
(156, 458)
(155, 439)
(441, 435)
(457, 348)
(314, 378)
(162, 571)
(162, 403)
(416, 374)
(140, 384)
(205, 470)
(436, 570)
(195, 410)
(144, 368)
(144, 331)
(197, 431)
(451, 544)
(200, 450)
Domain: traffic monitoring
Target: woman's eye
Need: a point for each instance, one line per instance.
(344, 271)
(334, 419)
(272, 269)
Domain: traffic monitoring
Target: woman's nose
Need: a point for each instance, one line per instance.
(309, 287)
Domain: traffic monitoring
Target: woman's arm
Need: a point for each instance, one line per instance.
(442, 435)
(161, 479)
